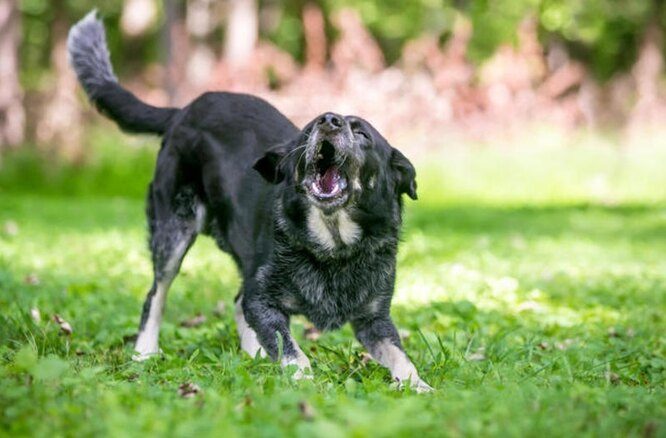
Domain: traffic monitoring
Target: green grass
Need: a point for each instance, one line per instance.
(531, 292)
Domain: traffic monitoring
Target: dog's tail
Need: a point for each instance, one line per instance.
(89, 56)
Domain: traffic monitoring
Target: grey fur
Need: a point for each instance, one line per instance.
(89, 55)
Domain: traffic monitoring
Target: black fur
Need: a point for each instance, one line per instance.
(337, 169)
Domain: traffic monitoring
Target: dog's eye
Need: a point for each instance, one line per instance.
(362, 134)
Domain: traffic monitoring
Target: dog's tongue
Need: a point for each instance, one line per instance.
(329, 179)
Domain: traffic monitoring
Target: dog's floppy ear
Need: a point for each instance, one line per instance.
(271, 166)
(405, 174)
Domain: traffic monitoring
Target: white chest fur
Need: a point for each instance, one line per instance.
(332, 230)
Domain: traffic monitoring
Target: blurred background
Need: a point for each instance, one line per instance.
(531, 281)
(438, 77)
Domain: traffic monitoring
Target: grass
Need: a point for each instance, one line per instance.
(531, 293)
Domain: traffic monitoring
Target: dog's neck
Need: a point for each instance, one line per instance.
(337, 235)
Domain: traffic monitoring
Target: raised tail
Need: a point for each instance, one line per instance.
(89, 56)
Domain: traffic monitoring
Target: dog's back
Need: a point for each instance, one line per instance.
(208, 147)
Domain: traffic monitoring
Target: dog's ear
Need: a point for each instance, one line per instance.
(271, 166)
(405, 174)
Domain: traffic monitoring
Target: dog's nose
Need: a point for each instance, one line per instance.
(330, 122)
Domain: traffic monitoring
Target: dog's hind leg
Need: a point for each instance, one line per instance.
(175, 221)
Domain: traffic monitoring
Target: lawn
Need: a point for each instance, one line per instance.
(531, 294)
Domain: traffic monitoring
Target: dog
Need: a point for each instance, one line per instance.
(310, 216)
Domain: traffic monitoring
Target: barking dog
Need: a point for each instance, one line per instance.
(311, 217)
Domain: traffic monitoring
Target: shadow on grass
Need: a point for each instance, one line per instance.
(647, 222)
(641, 222)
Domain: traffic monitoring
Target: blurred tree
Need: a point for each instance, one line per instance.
(314, 27)
(12, 115)
(603, 34)
(495, 22)
(394, 22)
(203, 18)
(647, 73)
(355, 47)
(138, 17)
(175, 43)
(282, 23)
(242, 32)
(59, 127)
(597, 38)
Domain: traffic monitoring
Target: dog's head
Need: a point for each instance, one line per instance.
(338, 161)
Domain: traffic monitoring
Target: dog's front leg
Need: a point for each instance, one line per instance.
(380, 337)
(267, 322)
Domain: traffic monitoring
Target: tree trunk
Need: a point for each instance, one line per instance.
(60, 127)
(649, 113)
(176, 47)
(242, 32)
(12, 114)
(314, 29)
(648, 69)
(202, 16)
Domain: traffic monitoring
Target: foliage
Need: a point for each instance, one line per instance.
(530, 297)
(602, 33)
(393, 22)
(38, 17)
(499, 21)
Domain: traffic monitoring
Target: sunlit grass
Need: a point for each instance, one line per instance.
(531, 293)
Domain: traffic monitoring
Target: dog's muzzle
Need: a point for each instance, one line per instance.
(330, 160)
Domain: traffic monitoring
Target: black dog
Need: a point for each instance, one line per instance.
(313, 229)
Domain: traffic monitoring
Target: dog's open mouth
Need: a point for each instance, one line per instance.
(328, 182)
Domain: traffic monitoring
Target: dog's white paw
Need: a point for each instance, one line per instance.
(416, 384)
(421, 387)
(303, 371)
(303, 374)
(141, 357)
